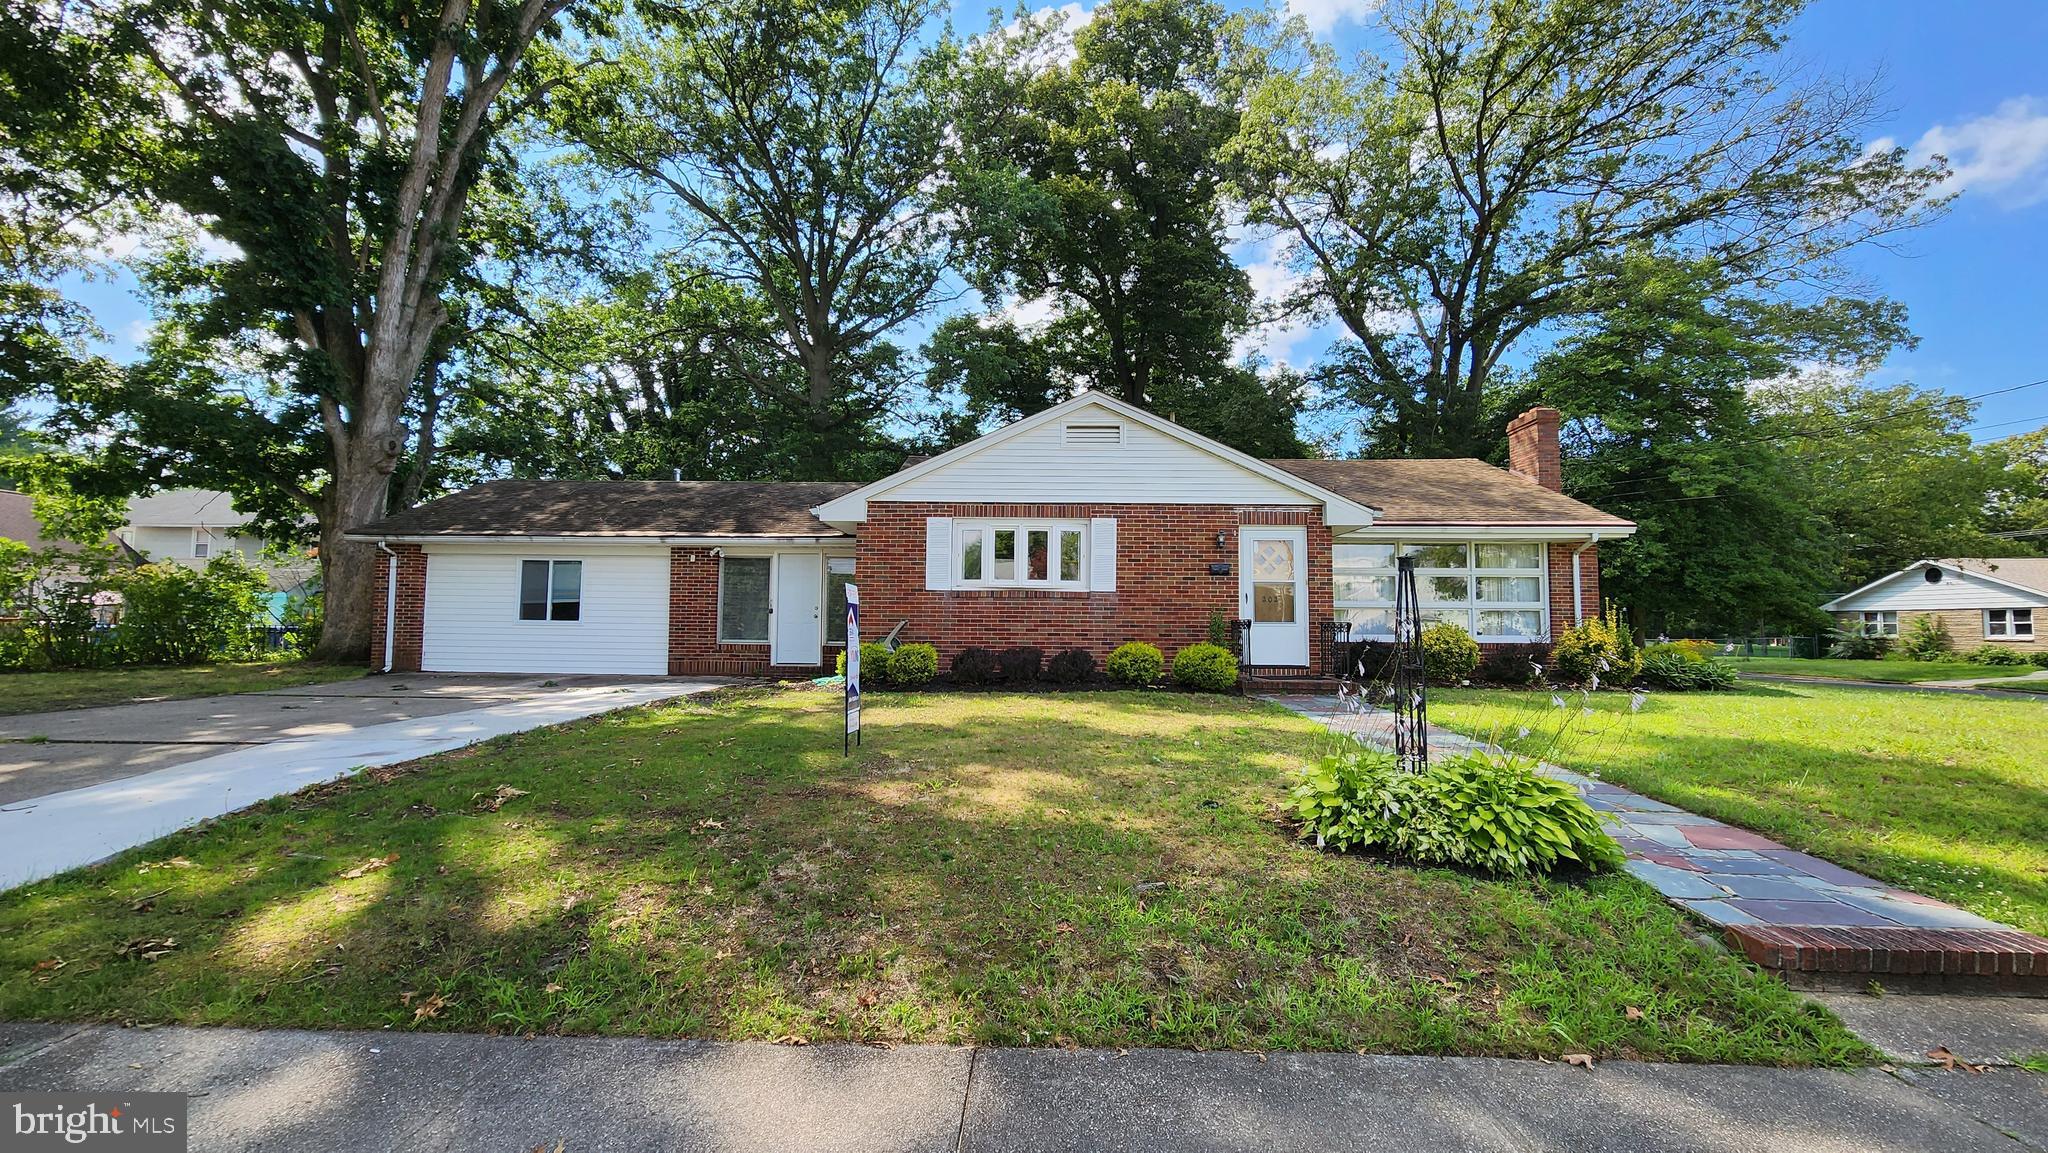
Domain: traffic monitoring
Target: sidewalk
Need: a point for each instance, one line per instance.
(1784, 909)
(355, 1092)
(1976, 686)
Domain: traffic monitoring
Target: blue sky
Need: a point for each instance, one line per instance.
(1969, 80)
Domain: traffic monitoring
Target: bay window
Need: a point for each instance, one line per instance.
(1019, 554)
(1495, 591)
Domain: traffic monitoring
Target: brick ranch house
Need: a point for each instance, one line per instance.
(1985, 602)
(1089, 524)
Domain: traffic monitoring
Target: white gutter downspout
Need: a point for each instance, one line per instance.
(1578, 596)
(391, 604)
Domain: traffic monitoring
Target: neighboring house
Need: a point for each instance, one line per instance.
(18, 523)
(1090, 524)
(1983, 601)
(191, 526)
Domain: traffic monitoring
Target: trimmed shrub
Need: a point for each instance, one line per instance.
(974, 666)
(1676, 667)
(1020, 664)
(1449, 654)
(1136, 663)
(1071, 667)
(172, 615)
(1926, 639)
(1205, 666)
(913, 664)
(1600, 649)
(1494, 814)
(2038, 659)
(1512, 665)
(1370, 660)
(1996, 657)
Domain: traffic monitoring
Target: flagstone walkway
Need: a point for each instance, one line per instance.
(1783, 908)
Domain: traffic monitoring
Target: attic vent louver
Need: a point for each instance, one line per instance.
(1094, 435)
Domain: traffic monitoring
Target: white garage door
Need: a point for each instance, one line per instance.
(495, 609)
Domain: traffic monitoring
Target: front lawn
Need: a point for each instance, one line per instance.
(1098, 868)
(84, 688)
(1937, 792)
(1891, 672)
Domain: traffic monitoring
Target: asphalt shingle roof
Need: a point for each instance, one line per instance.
(1456, 490)
(611, 508)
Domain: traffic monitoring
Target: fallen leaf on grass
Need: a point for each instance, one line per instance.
(866, 1000)
(495, 800)
(370, 866)
(148, 948)
(431, 1007)
(1950, 1061)
(48, 967)
(1632, 1013)
(1063, 927)
(791, 1039)
(552, 987)
(706, 823)
(173, 863)
(1582, 1060)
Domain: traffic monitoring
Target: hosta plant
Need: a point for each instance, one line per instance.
(1495, 814)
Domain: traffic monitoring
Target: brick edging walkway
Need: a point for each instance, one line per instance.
(1782, 908)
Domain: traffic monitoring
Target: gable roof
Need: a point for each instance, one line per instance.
(2023, 574)
(18, 522)
(643, 509)
(1449, 491)
(183, 508)
(1338, 509)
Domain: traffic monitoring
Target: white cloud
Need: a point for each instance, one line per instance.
(1323, 16)
(2003, 155)
(1068, 18)
(1281, 340)
(1030, 314)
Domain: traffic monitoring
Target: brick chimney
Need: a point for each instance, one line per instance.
(1532, 447)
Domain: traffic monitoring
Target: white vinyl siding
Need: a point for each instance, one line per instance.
(472, 620)
(1911, 591)
(1141, 466)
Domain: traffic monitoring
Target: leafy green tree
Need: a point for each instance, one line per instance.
(797, 143)
(1093, 177)
(650, 376)
(333, 150)
(1660, 429)
(2021, 508)
(1892, 471)
(1445, 205)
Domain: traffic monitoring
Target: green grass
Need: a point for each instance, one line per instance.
(83, 688)
(1102, 869)
(1939, 793)
(1889, 671)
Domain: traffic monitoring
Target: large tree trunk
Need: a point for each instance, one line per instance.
(348, 569)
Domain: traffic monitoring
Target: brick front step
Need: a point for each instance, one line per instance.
(2005, 958)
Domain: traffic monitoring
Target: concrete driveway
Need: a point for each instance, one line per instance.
(43, 753)
(78, 786)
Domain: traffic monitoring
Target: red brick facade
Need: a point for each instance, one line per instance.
(410, 618)
(1165, 593)
(693, 645)
(1561, 615)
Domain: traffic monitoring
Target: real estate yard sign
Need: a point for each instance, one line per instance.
(852, 667)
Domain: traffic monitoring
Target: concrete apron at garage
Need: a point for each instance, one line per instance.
(83, 785)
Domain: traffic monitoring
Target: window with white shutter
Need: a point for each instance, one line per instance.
(1102, 554)
(938, 552)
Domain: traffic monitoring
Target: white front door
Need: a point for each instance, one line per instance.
(798, 609)
(1272, 565)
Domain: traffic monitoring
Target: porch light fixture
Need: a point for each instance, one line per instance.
(1222, 540)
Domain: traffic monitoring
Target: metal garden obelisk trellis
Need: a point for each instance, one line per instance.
(1410, 705)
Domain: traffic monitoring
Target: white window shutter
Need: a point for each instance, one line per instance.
(938, 552)
(1102, 554)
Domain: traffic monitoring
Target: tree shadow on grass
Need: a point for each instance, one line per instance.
(1016, 871)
